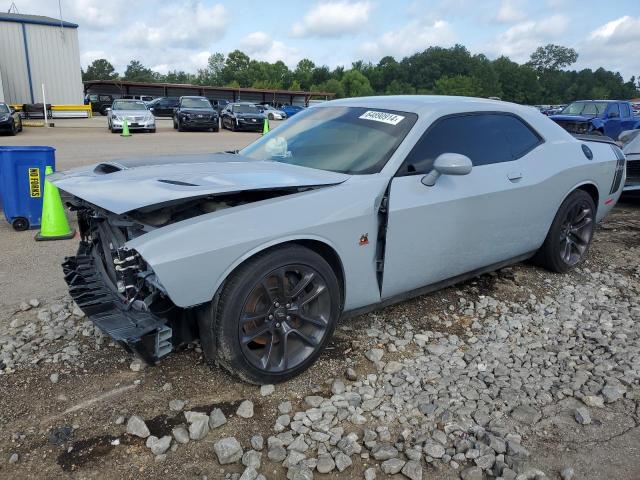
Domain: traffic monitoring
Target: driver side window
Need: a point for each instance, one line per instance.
(485, 138)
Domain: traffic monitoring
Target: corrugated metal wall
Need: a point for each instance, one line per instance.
(55, 61)
(54, 58)
(13, 65)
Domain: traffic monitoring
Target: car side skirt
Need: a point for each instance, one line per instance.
(435, 286)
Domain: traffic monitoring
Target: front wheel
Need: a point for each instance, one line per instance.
(273, 317)
(569, 237)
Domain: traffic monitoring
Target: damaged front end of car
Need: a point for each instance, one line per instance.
(119, 292)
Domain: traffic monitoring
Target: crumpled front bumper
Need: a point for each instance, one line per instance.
(138, 331)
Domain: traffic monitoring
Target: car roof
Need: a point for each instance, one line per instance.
(425, 104)
(600, 101)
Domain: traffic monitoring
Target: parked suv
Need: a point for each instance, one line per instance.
(99, 102)
(163, 106)
(195, 113)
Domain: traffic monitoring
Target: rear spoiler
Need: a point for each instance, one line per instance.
(594, 138)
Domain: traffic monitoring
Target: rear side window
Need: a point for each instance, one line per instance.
(485, 138)
(615, 109)
(625, 110)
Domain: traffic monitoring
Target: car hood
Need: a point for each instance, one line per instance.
(120, 186)
(571, 118)
(200, 111)
(131, 113)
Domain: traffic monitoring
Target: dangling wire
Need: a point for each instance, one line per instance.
(61, 24)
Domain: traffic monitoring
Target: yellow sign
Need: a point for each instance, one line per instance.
(34, 182)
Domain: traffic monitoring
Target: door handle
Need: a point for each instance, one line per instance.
(514, 176)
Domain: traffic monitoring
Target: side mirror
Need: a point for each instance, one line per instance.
(448, 164)
(108, 109)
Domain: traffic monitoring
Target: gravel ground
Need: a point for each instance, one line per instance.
(521, 374)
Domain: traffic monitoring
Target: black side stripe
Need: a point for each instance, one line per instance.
(617, 179)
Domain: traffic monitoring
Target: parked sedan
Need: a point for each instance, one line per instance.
(195, 113)
(242, 116)
(352, 205)
(163, 106)
(135, 112)
(10, 120)
(291, 110)
(272, 113)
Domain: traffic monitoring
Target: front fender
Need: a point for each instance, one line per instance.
(597, 123)
(192, 258)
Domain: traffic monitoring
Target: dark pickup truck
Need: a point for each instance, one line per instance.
(597, 117)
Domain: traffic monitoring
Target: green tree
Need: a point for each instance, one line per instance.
(552, 57)
(304, 73)
(295, 86)
(136, 72)
(100, 69)
(460, 85)
(236, 68)
(355, 84)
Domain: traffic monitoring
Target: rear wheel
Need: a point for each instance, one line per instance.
(569, 237)
(19, 125)
(20, 224)
(273, 317)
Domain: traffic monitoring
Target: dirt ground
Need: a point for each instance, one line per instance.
(90, 397)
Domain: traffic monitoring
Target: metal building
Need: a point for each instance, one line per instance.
(36, 50)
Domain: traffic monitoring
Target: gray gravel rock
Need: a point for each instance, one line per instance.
(251, 458)
(567, 473)
(54, 377)
(158, 446)
(472, 473)
(266, 390)
(392, 466)
(176, 405)
(374, 355)
(370, 474)
(412, 470)
(325, 463)
(245, 410)
(350, 374)
(526, 414)
(342, 461)
(250, 473)
(582, 415)
(257, 442)
(228, 450)
(199, 425)
(216, 418)
(14, 458)
(180, 434)
(384, 452)
(137, 427)
(434, 450)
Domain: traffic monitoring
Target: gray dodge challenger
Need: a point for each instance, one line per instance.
(351, 205)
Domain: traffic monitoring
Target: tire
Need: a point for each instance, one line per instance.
(113, 130)
(270, 116)
(152, 130)
(566, 245)
(20, 125)
(280, 332)
(597, 132)
(20, 224)
(175, 125)
(180, 127)
(14, 130)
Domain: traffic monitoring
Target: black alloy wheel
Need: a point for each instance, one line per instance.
(284, 318)
(274, 315)
(569, 237)
(576, 232)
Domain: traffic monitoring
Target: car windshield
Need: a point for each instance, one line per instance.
(4, 108)
(196, 103)
(339, 139)
(239, 108)
(129, 105)
(584, 108)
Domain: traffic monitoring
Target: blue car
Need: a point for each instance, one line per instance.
(597, 117)
(291, 110)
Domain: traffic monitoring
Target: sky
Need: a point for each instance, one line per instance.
(181, 34)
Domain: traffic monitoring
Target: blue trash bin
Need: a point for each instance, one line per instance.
(22, 183)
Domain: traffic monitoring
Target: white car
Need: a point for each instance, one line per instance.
(135, 112)
(272, 113)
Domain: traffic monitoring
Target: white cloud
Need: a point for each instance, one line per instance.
(260, 46)
(413, 37)
(190, 25)
(520, 41)
(510, 12)
(614, 45)
(334, 19)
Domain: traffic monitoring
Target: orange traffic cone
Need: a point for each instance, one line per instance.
(54, 221)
